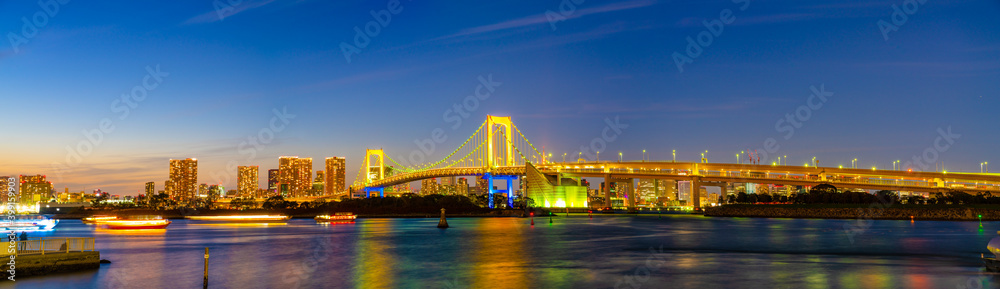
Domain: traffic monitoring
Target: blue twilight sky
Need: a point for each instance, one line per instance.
(224, 70)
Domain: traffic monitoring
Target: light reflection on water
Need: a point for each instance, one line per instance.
(574, 252)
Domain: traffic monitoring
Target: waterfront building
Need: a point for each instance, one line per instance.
(34, 189)
(428, 186)
(294, 176)
(247, 181)
(183, 178)
(272, 180)
(335, 176)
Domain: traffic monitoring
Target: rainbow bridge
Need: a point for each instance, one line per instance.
(497, 150)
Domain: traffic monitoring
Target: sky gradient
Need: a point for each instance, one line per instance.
(222, 77)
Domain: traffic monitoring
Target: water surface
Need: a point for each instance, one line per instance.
(677, 251)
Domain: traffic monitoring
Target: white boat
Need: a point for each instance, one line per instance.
(28, 223)
(992, 264)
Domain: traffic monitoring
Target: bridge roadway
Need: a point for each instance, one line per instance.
(712, 174)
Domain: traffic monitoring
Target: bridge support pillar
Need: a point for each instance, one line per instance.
(379, 190)
(696, 193)
(631, 195)
(509, 191)
(607, 191)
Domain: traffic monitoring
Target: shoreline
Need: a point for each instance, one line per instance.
(872, 212)
(309, 214)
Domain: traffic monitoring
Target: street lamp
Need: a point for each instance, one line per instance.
(737, 158)
(598, 156)
(579, 156)
(619, 157)
(675, 155)
(786, 160)
(643, 155)
(564, 157)
(854, 163)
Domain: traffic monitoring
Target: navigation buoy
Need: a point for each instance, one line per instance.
(443, 223)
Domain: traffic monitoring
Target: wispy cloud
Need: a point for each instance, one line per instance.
(219, 15)
(543, 19)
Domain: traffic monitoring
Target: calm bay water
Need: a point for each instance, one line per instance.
(677, 251)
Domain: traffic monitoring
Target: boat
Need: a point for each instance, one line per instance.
(242, 219)
(337, 217)
(992, 264)
(28, 223)
(137, 223)
(98, 219)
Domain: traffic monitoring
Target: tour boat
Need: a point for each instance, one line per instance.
(992, 263)
(98, 219)
(242, 219)
(137, 223)
(338, 217)
(28, 223)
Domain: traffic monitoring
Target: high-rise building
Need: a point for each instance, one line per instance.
(429, 186)
(215, 191)
(184, 178)
(34, 189)
(203, 190)
(168, 187)
(482, 186)
(684, 191)
(646, 191)
(317, 184)
(335, 173)
(150, 188)
(462, 186)
(294, 176)
(272, 180)
(247, 181)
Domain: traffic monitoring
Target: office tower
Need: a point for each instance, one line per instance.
(646, 191)
(246, 181)
(335, 175)
(316, 189)
(215, 191)
(168, 187)
(272, 180)
(429, 186)
(34, 189)
(684, 191)
(150, 188)
(294, 176)
(184, 178)
(462, 186)
(447, 186)
(482, 186)
(203, 190)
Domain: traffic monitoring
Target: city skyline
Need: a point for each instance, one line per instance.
(889, 94)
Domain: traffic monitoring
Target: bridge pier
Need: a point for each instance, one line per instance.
(696, 193)
(509, 191)
(369, 190)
